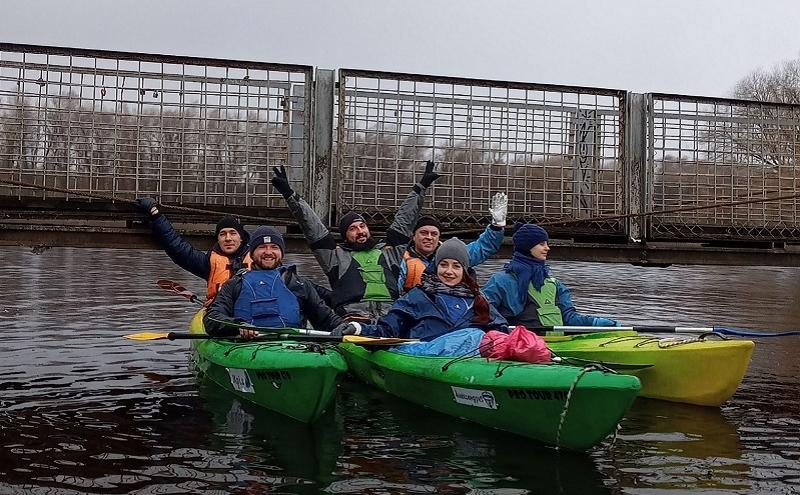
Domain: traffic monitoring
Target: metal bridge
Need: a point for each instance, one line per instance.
(616, 175)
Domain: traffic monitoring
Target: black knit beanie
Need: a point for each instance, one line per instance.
(347, 220)
(427, 221)
(232, 223)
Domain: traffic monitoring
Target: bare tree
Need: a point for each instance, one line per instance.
(760, 133)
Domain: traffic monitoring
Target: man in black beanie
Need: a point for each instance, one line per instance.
(361, 270)
(215, 266)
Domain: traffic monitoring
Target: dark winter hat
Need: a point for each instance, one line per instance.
(528, 235)
(231, 223)
(349, 219)
(453, 249)
(266, 235)
(426, 221)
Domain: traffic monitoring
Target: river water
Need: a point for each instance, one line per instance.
(84, 411)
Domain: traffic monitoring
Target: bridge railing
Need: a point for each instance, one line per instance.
(556, 150)
(205, 132)
(185, 130)
(705, 151)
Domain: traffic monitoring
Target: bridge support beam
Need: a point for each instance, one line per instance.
(635, 164)
(322, 163)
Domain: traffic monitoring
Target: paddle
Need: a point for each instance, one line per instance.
(325, 337)
(177, 288)
(568, 330)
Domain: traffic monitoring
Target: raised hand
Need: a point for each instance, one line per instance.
(280, 182)
(148, 206)
(498, 208)
(429, 176)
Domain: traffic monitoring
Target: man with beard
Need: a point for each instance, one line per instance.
(362, 272)
(216, 265)
(269, 295)
(421, 250)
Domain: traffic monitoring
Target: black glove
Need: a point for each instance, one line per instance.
(281, 183)
(429, 176)
(347, 328)
(148, 206)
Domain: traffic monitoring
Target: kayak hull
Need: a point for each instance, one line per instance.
(297, 380)
(521, 398)
(682, 369)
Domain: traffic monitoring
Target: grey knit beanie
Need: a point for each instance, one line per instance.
(453, 249)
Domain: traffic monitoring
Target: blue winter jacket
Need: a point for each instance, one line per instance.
(501, 291)
(480, 250)
(419, 315)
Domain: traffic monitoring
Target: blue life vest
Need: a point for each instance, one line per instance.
(265, 301)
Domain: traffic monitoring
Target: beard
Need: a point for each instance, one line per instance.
(361, 246)
(267, 264)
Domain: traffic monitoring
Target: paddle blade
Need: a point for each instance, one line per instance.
(741, 332)
(148, 336)
(167, 284)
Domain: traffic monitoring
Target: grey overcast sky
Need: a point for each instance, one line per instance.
(699, 47)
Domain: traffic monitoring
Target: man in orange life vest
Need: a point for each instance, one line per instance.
(216, 265)
(425, 242)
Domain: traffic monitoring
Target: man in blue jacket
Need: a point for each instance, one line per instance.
(526, 294)
(228, 255)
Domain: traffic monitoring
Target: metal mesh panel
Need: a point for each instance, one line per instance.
(707, 151)
(186, 130)
(556, 150)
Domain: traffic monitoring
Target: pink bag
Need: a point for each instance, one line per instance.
(519, 345)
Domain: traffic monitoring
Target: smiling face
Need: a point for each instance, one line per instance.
(357, 233)
(540, 251)
(229, 240)
(426, 239)
(267, 256)
(450, 272)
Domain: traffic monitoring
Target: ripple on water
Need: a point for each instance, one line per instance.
(84, 411)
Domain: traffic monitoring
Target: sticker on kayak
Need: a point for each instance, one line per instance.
(475, 398)
(241, 380)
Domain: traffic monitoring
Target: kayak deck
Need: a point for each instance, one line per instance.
(683, 369)
(294, 379)
(526, 399)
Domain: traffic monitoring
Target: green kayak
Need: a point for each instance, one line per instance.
(565, 406)
(295, 379)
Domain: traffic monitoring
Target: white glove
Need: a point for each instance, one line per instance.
(498, 208)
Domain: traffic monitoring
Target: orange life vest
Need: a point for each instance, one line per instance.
(222, 269)
(414, 268)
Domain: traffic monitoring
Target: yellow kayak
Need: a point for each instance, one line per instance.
(693, 370)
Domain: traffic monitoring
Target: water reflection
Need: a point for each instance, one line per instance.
(287, 452)
(82, 411)
(416, 450)
(679, 446)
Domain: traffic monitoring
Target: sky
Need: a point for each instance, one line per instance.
(694, 47)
